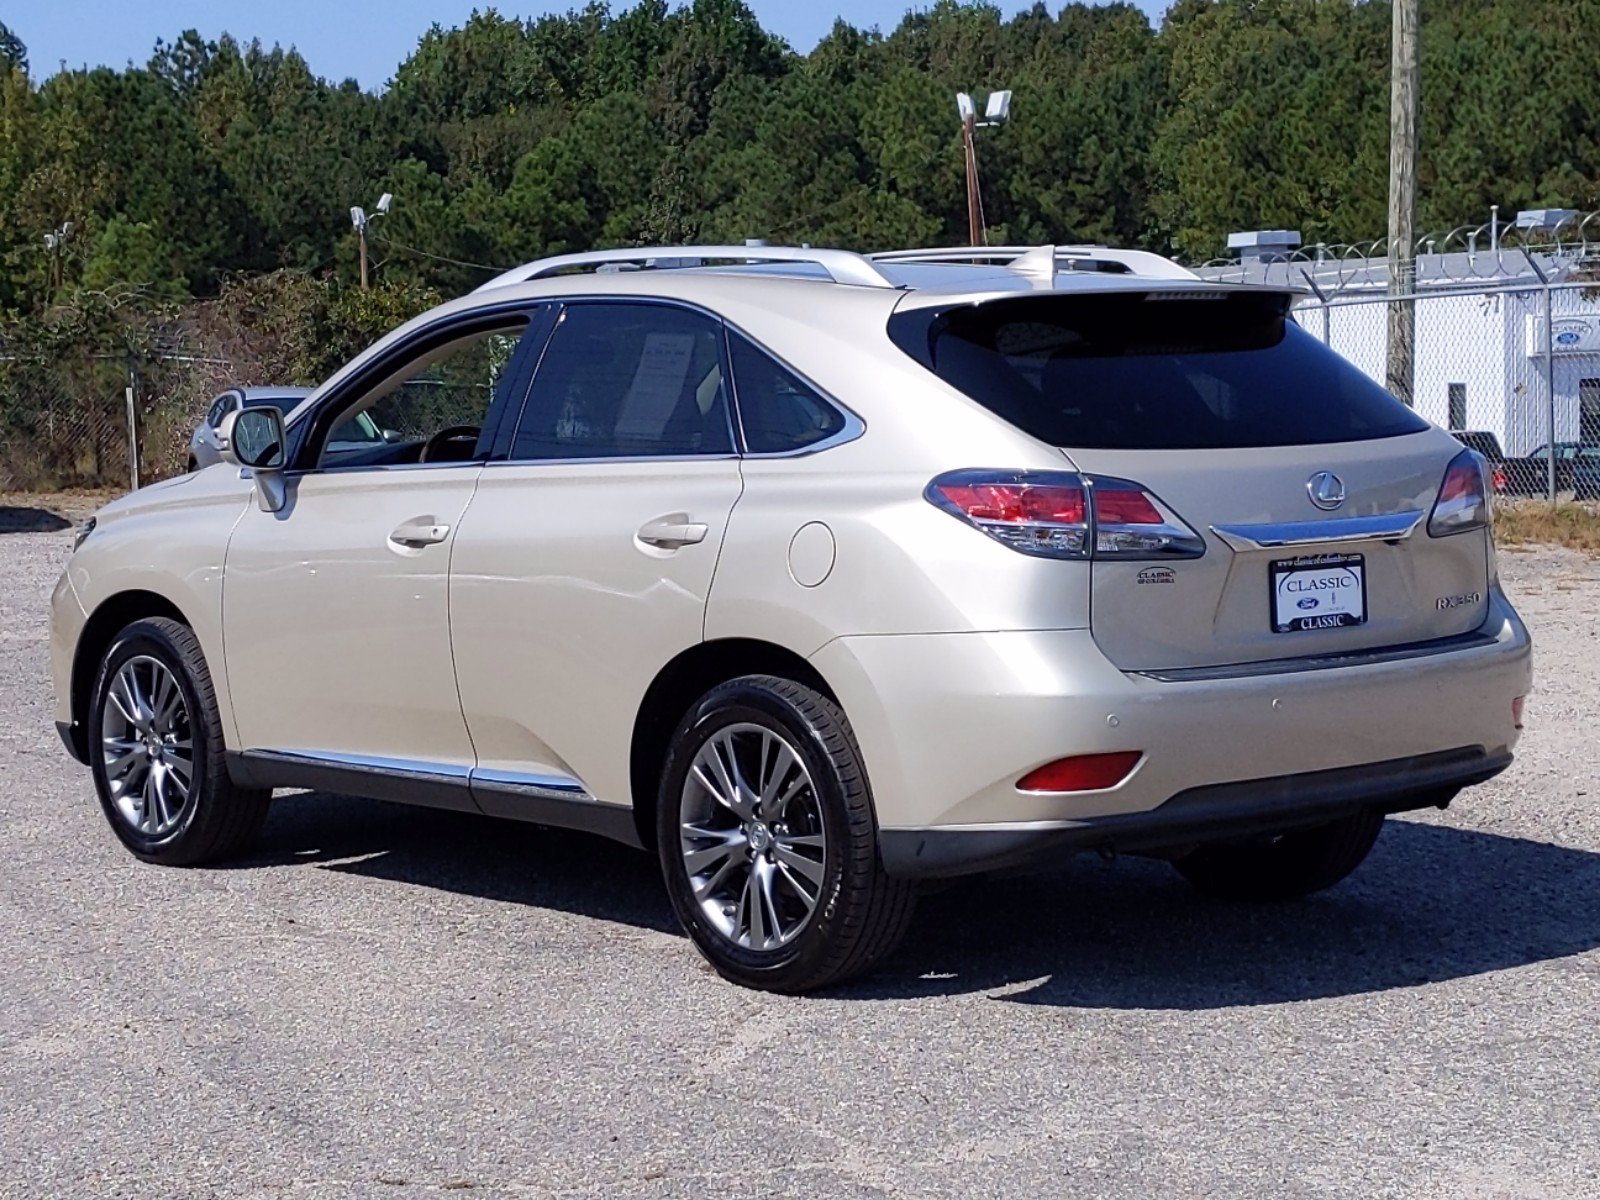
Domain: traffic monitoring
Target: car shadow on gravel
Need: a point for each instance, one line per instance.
(459, 852)
(30, 520)
(1432, 903)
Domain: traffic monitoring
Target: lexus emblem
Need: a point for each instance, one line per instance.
(1326, 490)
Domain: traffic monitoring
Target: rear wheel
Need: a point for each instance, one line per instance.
(768, 843)
(156, 751)
(1286, 866)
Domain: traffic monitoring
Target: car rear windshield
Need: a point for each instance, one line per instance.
(1152, 370)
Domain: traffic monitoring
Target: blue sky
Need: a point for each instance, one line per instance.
(360, 38)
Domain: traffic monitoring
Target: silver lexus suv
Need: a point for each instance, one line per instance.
(819, 576)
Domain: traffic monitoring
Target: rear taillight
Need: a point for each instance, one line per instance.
(1062, 514)
(1463, 501)
(1501, 481)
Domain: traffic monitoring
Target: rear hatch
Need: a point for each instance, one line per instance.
(1310, 486)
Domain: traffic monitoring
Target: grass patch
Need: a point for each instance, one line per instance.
(1523, 521)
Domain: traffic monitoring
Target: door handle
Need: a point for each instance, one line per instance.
(670, 533)
(420, 532)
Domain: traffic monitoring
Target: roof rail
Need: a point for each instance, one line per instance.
(842, 266)
(1137, 262)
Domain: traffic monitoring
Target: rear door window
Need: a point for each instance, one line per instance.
(1157, 371)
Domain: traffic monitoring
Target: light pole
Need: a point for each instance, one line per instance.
(55, 242)
(995, 112)
(360, 220)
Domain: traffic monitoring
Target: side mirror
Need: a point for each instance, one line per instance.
(254, 438)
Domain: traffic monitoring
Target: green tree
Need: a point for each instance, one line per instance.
(13, 54)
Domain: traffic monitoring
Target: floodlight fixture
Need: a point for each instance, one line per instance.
(358, 217)
(384, 201)
(998, 109)
(965, 107)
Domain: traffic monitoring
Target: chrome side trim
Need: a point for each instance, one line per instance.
(557, 800)
(544, 799)
(432, 785)
(561, 786)
(1392, 527)
(402, 766)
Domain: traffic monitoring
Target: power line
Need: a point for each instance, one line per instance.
(444, 258)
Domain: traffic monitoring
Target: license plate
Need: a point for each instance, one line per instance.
(1323, 591)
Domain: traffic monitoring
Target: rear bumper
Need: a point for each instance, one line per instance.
(1197, 815)
(948, 723)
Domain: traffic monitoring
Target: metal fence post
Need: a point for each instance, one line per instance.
(133, 426)
(1549, 340)
(1550, 390)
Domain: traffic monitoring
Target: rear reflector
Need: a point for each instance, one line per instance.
(1516, 712)
(1081, 773)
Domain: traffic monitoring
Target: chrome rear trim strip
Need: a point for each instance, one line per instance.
(1393, 527)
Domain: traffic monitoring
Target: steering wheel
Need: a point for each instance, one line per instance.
(458, 436)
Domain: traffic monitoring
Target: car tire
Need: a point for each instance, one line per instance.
(768, 842)
(1283, 867)
(152, 718)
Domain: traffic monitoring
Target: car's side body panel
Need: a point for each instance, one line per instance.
(561, 616)
(338, 635)
(167, 540)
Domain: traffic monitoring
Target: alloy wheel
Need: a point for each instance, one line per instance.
(147, 747)
(752, 837)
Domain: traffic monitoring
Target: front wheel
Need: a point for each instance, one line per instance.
(156, 751)
(1284, 867)
(768, 843)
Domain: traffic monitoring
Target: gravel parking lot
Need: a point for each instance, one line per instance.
(389, 1002)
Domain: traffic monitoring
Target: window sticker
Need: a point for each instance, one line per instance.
(657, 385)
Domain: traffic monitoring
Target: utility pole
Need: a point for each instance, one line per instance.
(975, 229)
(1400, 373)
(997, 111)
(56, 243)
(360, 219)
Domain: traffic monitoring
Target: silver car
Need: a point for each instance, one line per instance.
(207, 444)
(819, 576)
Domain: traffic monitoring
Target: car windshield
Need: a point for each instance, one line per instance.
(284, 404)
(1152, 370)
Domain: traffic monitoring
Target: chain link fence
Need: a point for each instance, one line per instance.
(1513, 370)
(102, 421)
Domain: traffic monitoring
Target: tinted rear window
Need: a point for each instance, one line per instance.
(1150, 371)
